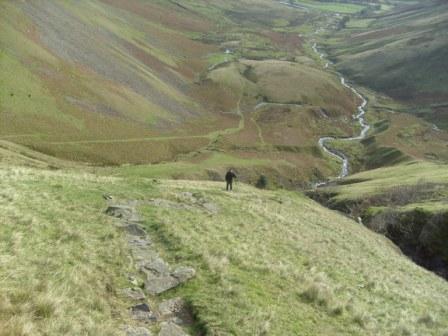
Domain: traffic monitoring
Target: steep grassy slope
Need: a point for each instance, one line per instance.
(401, 53)
(111, 82)
(407, 202)
(108, 82)
(267, 262)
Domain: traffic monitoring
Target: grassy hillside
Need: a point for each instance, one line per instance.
(150, 82)
(402, 53)
(406, 202)
(267, 262)
(394, 137)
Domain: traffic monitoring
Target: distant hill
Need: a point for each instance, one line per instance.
(403, 53)
(112, 82)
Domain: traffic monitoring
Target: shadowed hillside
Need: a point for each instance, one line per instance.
(403, 53)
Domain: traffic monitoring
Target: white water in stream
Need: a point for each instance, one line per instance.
(360, 116)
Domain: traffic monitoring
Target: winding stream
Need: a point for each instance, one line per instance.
(360, 116)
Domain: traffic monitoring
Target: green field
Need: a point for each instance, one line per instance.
(338, 7)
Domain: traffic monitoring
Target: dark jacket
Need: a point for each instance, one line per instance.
(230, 176)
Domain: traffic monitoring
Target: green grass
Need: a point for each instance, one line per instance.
(380, 180)
(217, 162)
(338, 7)
(276, 263)
(62, 259)
(268, 262)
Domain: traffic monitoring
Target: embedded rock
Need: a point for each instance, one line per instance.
(134, 293)
(137, 331)
(156, 266)
(183, 273)
(171, 329)
(158, 285)
(175, 310)
(134, 230)
(142, 312)
(120, 211)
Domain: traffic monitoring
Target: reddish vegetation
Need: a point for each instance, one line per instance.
(379, 33)
(289, 41)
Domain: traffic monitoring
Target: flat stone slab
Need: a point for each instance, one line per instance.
(158, 285)
(137, 241)
(142, 312)
(135, 293)
(171, 329)
(120, 211)
(134, 230)
(157, 267)
(175, 310)
(137, 331)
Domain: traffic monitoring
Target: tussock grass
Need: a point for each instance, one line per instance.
(62, 261)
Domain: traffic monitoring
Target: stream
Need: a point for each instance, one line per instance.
(360, 117)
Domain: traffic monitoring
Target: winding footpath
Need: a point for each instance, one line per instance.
(360, 117)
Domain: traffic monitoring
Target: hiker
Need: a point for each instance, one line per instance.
(229, 179)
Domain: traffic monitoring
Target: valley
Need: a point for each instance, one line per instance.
(119, 119)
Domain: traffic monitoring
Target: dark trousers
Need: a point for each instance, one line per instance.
(229, 185)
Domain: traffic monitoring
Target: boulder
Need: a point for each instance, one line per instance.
(171, 329)
(142, 312)
(156, 266)
(158, 285)
(120, 211)
(137, 331)
(175, 310)
(183, 273)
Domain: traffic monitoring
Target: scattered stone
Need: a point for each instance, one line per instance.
(134, 219)
(137, 331)
(157, 267)
(141, 242)
(183, 273)
(135, 230)
(158, 285)
(134, 293)
(142, 312)
(175, 310)
(119, 211)
(171, 329)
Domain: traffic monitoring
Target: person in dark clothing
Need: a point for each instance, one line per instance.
(229, 179)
